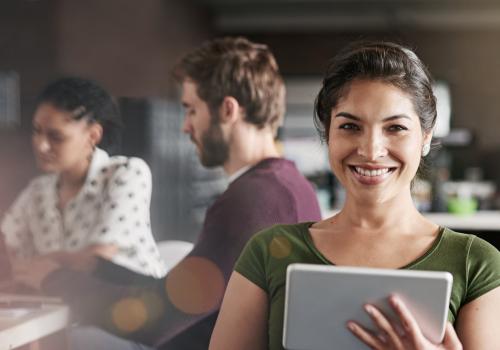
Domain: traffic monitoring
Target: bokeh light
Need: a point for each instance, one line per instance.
(280, 247)
(195, 286)
(129, 314)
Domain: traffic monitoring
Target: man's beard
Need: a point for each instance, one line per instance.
(214, 150)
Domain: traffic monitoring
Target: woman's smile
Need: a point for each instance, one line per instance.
(370, 175)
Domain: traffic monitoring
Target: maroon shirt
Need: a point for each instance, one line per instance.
(181, 309)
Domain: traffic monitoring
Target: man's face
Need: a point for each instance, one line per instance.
(204, 130)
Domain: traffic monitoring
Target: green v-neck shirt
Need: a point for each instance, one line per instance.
(473, 262)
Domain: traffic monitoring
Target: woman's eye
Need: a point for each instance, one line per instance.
(56, 138)
(397, 128)
(349, 126)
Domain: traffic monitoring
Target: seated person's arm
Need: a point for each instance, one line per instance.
(123, 220)
(84, 259)
(478, 322)
(15, 231)
(242, 321)
(148, 310)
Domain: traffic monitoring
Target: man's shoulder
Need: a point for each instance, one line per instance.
(274, 174)
(258, 186)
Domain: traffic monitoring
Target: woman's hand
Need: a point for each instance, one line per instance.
(84, 259)
(407, 337)
(33, 272)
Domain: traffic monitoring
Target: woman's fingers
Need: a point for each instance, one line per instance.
(373, 341)
(451, 340)
(410, 325)
(106, 251)
(386, 328)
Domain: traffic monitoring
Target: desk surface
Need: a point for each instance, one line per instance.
(38, 323)
(481, 220)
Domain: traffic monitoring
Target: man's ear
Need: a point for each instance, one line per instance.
(230, 110)
(95, 133)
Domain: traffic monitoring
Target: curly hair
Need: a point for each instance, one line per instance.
(85, 99)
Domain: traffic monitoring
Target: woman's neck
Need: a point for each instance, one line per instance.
(74, 178)
(398, 213)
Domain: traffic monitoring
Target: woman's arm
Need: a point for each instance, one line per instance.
(84, 259)
(478, 322)
(242, 321)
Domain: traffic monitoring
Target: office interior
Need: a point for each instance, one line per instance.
(130, 46)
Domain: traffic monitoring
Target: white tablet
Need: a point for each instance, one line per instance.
(321, 299)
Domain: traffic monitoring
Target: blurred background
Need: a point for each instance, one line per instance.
(130, 46)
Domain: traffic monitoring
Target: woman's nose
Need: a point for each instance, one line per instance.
(41, 144)
(372, 146)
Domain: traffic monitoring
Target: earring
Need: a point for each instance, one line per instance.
(426, 148)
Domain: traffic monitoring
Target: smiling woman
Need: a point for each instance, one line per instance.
(374, 138)
(88, 204)
(376, 110)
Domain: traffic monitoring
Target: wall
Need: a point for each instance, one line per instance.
(130, 48)
(28, 46)
(466, 59)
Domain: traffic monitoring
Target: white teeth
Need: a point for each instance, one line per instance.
(367, 172)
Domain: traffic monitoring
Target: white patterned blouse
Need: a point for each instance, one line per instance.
(112, 207)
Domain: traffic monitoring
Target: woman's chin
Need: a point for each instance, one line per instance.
(47, 167)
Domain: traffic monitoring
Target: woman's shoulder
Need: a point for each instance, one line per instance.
(280, 234)
(42, 182)
(468, 240)
(473, 247)
(457, 238)
(119, 164)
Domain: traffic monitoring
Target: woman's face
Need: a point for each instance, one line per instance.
(375, 141)
(61, 143)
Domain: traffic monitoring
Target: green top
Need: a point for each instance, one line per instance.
(473, 262)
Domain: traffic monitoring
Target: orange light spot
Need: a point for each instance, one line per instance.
(195, 286)
(129, 314)
(280, 247)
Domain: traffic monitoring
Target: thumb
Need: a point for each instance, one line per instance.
(106, 250)
(451, 340)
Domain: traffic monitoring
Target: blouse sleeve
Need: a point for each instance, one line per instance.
(15, 225)
(124, 216)
(251, 263)
(483, 269)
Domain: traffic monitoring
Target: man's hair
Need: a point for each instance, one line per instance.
(241, 69)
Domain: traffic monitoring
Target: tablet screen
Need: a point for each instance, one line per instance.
(321, 299)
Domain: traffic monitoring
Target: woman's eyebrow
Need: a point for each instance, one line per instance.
(346, 115)
(353, 117)
(397, 116)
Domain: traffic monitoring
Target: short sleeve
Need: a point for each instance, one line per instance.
(124, 215)
(15, 225)
(483, 269)
(252, 261)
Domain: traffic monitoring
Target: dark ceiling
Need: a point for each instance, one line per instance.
(313, 15)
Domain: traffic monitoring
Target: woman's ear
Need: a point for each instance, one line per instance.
(95, 133)
(428, 137)
(426, 146)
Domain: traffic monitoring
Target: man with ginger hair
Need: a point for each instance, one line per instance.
(234, 98)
